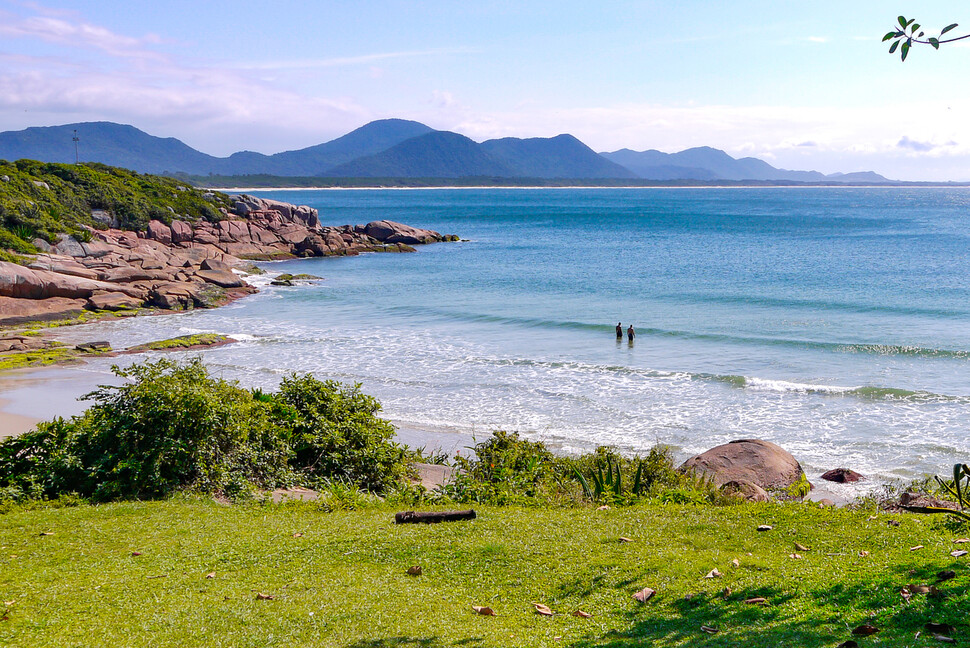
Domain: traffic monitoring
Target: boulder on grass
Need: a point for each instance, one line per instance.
(762, 463)
(746, 490)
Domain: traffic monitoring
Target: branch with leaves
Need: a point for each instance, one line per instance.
(908, 32)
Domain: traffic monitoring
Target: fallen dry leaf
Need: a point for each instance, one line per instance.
(582, 615)
(944, 638)
(414, 570)
(714, 573)
(727, 592)
(756, 600)
(8, 603)
(892, 522)
(297, 535)
(47, 533)
(916, 548)
(542, 609)
(736, 562)
(622, 539)
(959, 554)
(709, 629)
(961, 541)
(795, 556)
(919, 589)
(906, 594)
(483, 611)
(264, 597)
(644, 595)
(765, 527)
(865, 630)
(135, 553)
(939, 628)
(863, 554)
(605, 507)
(210, 575)
(801, 547)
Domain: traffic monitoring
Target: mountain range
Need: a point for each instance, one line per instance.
(397, 148)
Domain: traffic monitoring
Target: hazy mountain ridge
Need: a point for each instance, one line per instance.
(391, 148)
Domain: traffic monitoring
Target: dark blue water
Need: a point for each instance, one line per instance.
(835, 322)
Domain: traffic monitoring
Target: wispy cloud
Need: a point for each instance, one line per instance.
(908, 143)
(344, 61)
(76, 33)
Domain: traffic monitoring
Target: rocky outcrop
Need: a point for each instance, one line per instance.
(180, 265)
(762, 463)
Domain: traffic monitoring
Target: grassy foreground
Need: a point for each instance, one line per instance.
(70, 576)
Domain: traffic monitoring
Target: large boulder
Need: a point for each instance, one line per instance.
(387, 231)
(112, 301)
(24, 283)
(223, 278)
(18, 311)
(181, 231)
(159, 231)
(749, 460)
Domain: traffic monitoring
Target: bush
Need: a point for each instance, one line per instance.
(335, 434)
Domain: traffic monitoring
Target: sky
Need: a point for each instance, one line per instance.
(801, 85)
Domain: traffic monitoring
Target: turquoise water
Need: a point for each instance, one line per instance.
(835, 322)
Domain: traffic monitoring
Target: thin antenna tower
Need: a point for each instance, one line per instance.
(77, 159)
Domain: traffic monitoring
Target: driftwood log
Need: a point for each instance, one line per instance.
(432, 517)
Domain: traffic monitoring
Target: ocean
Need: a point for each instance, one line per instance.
(832, 321)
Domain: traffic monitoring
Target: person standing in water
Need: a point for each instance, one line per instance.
(630, 333)
(619, 331)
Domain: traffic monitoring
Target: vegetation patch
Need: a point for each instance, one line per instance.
(37, 357)
(183, 342)
(42, 200)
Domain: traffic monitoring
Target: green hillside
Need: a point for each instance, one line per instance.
(42, 200)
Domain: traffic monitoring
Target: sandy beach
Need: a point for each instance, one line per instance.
(13, 424)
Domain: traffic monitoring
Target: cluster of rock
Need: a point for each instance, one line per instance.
(182, 265)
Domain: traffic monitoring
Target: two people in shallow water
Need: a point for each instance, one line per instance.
(630, 333)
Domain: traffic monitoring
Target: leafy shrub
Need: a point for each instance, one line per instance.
(335, 434)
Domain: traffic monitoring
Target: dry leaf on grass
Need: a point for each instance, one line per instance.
(916, 548)
(542, 609)
(622, 539)
(645, 594)
(210, 575)
(297, 535)
(756, 600)
(709, 629)
(961, 541)
(264, 597)
(865, 630)
(736, 562)
(801, 547)
(414, 570)
(727, 592)
(605, 507)
(765, 527)
(959, 554)
(906, 594)
(863, 554)
(47, 533)
(714, 573)
(795, 556)
(481, 610)
(944, 638)
(939, 628)
(135, 553)
(582, 615)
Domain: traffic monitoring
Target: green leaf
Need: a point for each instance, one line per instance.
(910, 22)
(915, 27)
(920, 35)
(948, 28)
(904, 50)
(889, 35)
(935, 43)
(902, 22)
(892, 48)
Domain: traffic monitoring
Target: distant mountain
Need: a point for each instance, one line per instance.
(706, 163)
(367, 140)
(397, 148)
(438, 154)
(562, 156)
(107, 142)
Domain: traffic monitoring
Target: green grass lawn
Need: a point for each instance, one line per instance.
(343, 582)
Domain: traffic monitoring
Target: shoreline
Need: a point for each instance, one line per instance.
(533, 188)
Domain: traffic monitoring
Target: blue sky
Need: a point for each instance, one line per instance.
(801, 85)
